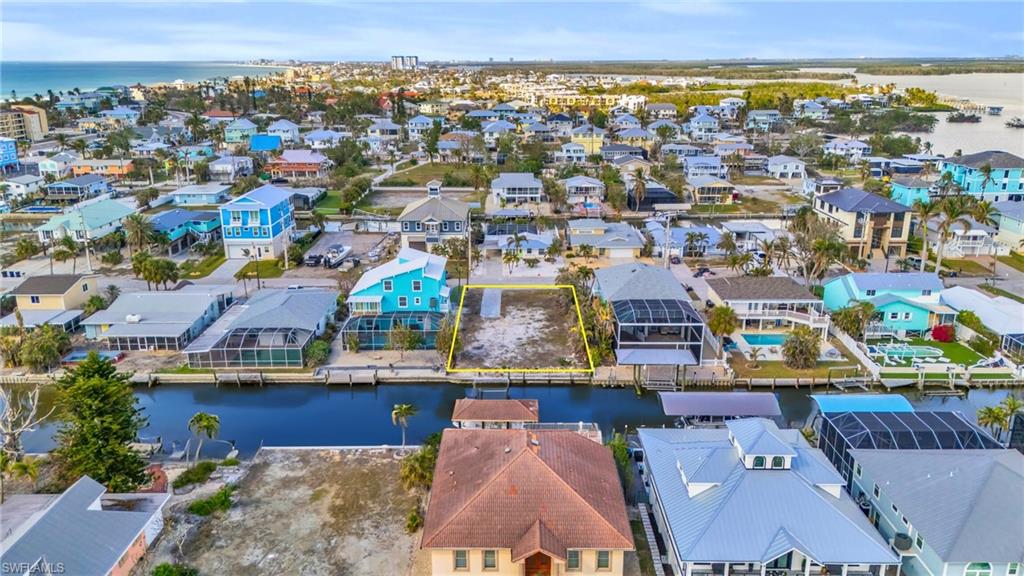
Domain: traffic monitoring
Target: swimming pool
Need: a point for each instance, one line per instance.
(764, 339)
(904, 351)
(41, 209)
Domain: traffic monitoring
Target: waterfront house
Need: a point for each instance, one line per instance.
(763, 120)
(909, 189)
(871, 225)
(571, 153)
(680, 151)
(1002, 315)
(537, 502)
(1010, 221)
(786, 167)
(628, 164)
(85, 222)
(590, 136)
(705, 165)
(57, 165)
(272, 329)
(384, 129)
(208, 194)
(907, 303)
(702, 127)
(84, 530)
(410, 291)
(55, 299)
(657, 330)
(609, 152)
(323, 139)
(583, 189)
(852, 150)
(750, 499)
(976, 240)
(952, 512)
(265, 144)
(299, 164)
(1006, 181)
(111, 168)
(711, 190)
(656, 195)
(517, 188)
(610, 239)
(22, 186)
(239, 131)
(724, 149)
(76, 189)
(679, 241)
(164, 320)
(662, 110)
(772, 303)
(227, 169)
(285, 129)
(259, 222)
(434, 219)
(749, 235)
(183, 228)
(494, 414)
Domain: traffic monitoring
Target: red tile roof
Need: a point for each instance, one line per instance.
(527, 491)
(496, 410)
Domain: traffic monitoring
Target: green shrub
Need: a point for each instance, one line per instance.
(113, 258)
(982, 346)
(195, 475)
(220, 501)
(414, 521)
(230, 462)
(168, 569)
(317, 353)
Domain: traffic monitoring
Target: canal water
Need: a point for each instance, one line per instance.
(311, 415)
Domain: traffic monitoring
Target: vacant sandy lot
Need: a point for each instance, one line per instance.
(401, 198)
(312, 512)
(535, 330)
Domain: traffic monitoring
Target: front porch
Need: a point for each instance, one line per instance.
(792, 563)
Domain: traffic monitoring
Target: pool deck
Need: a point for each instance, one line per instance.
(773, 352)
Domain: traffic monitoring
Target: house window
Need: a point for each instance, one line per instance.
(877, 491)
(416, 301)
(758, 462)
(1012, 570)
(85, 287)
(894, 315)
(388, 285)
(419, 226)
(778, 462)
(869, 293)
(490, 559)
(572, 559)
(458, 226)
(444, 226)
(461, 560)
(604, 560)
(926, 292)
(857, 470)
(894, 508)
(908, 315)
(978, 569)
(34, 299)
(417, 285)
(920, 544)
(405, 226)
(403, 301)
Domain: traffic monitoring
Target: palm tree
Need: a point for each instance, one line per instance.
(925, 211)
(203, 424)
(318, 220)
(639, 186)
(511, 259)
(995, 418)
(986, 173)
(27, 466)
(755, 354)
(400, 415)
(953, 215)
(111, 292)
(722, 320)
(6, 465)
(727, 243)
(138, 231)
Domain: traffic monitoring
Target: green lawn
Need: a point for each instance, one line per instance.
(966, 267)
(420, 175)
(955, 351)
(776, 369)
(267, 269)
(1000, 292)
(329, 203)
(206, 266)
(1013, 260)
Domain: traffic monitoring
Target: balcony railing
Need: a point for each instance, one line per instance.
(802, 317)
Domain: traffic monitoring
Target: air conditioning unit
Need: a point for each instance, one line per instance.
(133, 318)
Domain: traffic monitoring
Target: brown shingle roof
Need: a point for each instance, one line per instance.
(522, 490)
(495, 410)
(53, 284)
(759, 288)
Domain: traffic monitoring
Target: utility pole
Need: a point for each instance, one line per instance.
(665, 249)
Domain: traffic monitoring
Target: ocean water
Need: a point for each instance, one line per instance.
(28, 78)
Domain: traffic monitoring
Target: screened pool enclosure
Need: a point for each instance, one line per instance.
(374, 331)
(253, 348)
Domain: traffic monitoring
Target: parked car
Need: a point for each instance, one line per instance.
(313, 260)
(676, 260)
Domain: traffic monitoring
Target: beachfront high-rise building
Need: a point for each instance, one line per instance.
(24, 122)
(405, 62)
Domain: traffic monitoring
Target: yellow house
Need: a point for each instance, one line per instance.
(55, 299)
(535, 502)
(590, 137)
(872, 226)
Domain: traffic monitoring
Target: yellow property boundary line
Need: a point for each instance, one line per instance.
(579, 317)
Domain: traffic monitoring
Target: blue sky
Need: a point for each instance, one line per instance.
(330, 30)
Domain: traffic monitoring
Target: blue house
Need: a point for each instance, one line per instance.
(182, 228)
(907, 189)
(762, 120)
(411, 290)
(1005, 183)
(908, 303)
(75, 189)
(259, 222)
(239, 131)
(8, 153)
(201, 194)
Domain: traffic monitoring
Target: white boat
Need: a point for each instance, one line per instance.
(993, 110)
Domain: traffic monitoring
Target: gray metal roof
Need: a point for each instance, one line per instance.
(759, 437)
(615, 235)
(637, 281)
(895, 281)
(516, 180)
(857, 200)
(755, 515)
(79, 536)
(287, 308)
(160, 313)
(966, 504)
(994, 158)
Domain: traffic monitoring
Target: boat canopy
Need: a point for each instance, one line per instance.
(720, 404)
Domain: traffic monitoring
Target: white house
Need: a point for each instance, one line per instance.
(227, 169)
(849, 149)
(786, 167)
(22, 186)
(572, 153)
(583, 189)
(286, 129)
(323, 139)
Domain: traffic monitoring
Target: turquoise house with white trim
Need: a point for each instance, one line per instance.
(239, 131)
(1007, 178)
(411, 290)
(907, 303)
(909, 189)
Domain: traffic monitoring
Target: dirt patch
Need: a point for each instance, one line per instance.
(312, 512)
(536, 329)
(402, 198)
